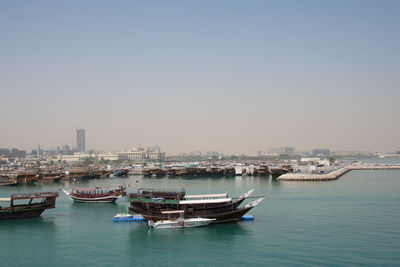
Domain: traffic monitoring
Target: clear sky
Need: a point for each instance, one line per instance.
(230, 76)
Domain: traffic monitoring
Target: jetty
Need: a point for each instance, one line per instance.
(334, 175)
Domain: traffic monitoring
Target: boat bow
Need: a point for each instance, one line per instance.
(254, 203)
(66, 192)
(246, 195)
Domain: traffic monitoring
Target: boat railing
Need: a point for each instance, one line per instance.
(151, 190)
(34, 195)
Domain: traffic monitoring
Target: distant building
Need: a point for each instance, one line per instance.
(80, 140)
(65, 150)
(195, 154)
(156, 148)
(5, 152)
(75, 157)
(141, 154)
(212, 154)
(321, 152)
(310, 159)
(282, 150)
(15, 153)
(108, 156)
(272, 155)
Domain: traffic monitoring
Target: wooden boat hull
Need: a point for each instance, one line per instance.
(228, 216)
(20, 214)
(8, 183)
(30, 208)
(105, 199)
(196, 209)
(95, 200)
(50, 178)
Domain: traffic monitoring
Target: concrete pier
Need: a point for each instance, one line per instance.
(336, 174)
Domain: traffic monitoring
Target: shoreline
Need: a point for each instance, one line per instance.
(334, 175)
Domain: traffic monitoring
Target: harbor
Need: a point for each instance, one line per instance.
(282, 171)
(292, 217)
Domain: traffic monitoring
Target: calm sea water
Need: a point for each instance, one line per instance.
(352, 221)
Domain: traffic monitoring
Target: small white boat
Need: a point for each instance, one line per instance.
(179, 222)
(125, 215)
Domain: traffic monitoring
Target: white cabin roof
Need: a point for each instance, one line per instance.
(206, 196)
(201, 201)
(5, 199)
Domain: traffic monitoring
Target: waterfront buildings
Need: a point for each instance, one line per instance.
(4, 152)
(64, 150)
(137, 154)
(13, 153)
(80, 140)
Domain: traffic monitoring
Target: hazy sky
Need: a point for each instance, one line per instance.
(230, 76)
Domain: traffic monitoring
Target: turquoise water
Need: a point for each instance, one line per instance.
(351, 221)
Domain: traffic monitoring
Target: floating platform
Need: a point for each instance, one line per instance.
(247, 217)
(134, 218)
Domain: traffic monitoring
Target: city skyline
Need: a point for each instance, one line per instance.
(231, 77)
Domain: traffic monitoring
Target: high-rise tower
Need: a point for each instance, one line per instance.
(80, 140)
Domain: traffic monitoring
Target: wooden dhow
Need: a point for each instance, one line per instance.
(96, 195)
(27, 205)
(151, 204)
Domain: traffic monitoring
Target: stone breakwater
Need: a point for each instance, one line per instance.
(336, 174)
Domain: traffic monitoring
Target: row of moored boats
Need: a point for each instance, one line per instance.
(162, 209)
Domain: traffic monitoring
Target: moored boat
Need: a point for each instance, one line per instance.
(151, 204)
(96, 195)
(27, 205)
(121, 173)
(127, 217)
(8, 179)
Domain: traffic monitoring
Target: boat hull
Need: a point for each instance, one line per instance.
(92, 199)
(229, 216)
(21, 213)
(186, 223)
(95, 200)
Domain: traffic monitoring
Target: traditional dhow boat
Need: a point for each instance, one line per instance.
(151, 204)
(96, 195)
(50, 176)
(8, 179)
(263, 170)
(27, 205)
(180, 222)
(121, 173)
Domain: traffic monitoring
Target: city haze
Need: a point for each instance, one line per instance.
(227, 76)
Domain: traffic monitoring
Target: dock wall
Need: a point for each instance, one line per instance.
(334, 175)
